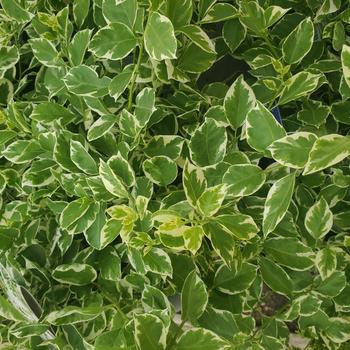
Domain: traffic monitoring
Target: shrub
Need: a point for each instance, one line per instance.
(153, 149)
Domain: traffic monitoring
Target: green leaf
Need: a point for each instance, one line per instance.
(221, 322)
(234, 282)
(45, 52)
(239, 101)
(273, 14)
(339, 330)
(194, 183)
(73, 314)
(164, 145)
(262, 128)
(128, 124)
(101, 126)
(293, 150)
(9, 56)
(110, 264)
(74, 274)
(253, 16)
(224, 243)
(211, 200)
(113, 42)
(241, 226)
(14, 10)
(160, 170)
(158, 261)
(48, 112)
(120, 82)
(193, 238)
(199, 37)
(150, 332)
(144, 106)
(121, 167)
(326, 262)
(194, 297)
(219, 13)
(319, 219)
(327, 151)
(290, 252)
(195, 60)
(243, 179)
(78, 46)
(22, 151)
(313, 113)
(275, 277)
(298, 85)
(234, 33)
(159, 38)
(208, 144)
(299, 42)
(9, 312)
(201, 339)
(74, 211)
(84, 81)
(332, 285)
(82, 159)
(120, 11)
(80, 11)
(277, 202)
(111, 181)
(179, 12)
(345, 61)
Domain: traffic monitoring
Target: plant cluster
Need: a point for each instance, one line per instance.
(156, 149)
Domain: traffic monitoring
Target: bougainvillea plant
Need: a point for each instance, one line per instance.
(163, 150)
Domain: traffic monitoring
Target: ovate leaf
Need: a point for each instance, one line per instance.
(208, 143)
(75, 274)
(198, 37)
(243, 179)
(194, 297)
(345, 61)
(84, 81)
(193, 238)
(73, 314)
(161, 170)
(150, 332)
(327, 151)
(194, 183)
(319, 219)
(293, 150)
(277, 202)
(159, 38)
(326, 262)
(299, 85)
(262, 128)
(120, 11)
(211, 199)
(275, 277)
(290, 252)
(234, 282)
(82, 159)
(113, 42)
(201, 339)
(239, 101)
(241, 226)
(8, 311)
(111, 181)
(299, 42)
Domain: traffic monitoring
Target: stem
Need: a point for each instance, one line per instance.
(270, 45)
(173, 340)
(134, 75)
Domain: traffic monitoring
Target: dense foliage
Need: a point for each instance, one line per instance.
(152, 149)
